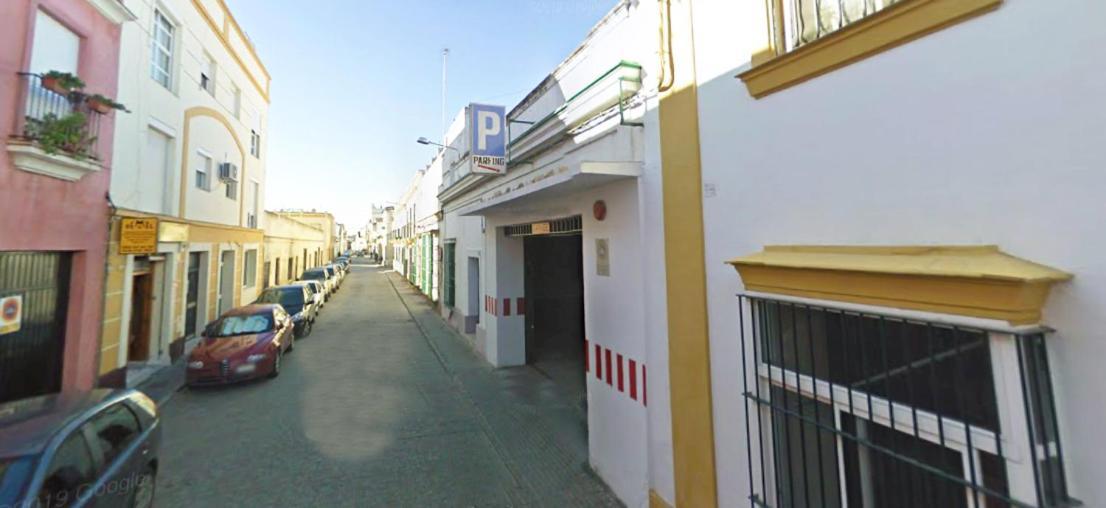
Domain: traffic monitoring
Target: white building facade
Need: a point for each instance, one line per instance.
(910, 321)
(553, 264)
(879, 180)
(190, 154)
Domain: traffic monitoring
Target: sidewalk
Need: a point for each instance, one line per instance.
(536, 427)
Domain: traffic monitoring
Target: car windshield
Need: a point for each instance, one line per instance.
(315, 274)
(329, 271)
(230, 326)
(284, 296)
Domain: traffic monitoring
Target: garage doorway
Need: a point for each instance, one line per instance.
(34, 296)
(554, 310)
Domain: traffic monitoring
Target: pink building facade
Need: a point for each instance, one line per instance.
(54, 204)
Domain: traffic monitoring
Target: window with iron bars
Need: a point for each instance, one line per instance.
(846, 408)
(799, 22)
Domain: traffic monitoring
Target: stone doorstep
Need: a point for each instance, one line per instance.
(161, 380)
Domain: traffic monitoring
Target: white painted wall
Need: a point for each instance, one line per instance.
(985, 132)
(135, 184)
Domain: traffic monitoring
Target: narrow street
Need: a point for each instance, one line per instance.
(382, 405)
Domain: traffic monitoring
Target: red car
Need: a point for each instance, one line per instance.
(244, 343)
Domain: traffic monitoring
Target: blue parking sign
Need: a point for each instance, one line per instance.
(488, 125)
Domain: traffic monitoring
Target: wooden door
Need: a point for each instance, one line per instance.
(138, 343)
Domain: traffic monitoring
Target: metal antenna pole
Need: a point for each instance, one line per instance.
(445, 59)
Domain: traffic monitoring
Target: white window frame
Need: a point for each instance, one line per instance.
(255, 143)
(1006, 378)
(236, 100)
(163, 76)
(206, 165)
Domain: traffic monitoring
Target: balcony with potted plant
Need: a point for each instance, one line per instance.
(61, 127)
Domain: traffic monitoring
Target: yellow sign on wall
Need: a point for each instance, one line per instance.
(138, 236)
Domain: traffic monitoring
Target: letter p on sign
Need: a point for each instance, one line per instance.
(488, 127)
(488, 124)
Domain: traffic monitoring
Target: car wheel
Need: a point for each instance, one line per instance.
(276, 365)
(307, 325)
(144, 489)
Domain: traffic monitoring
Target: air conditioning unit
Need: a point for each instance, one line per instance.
(228, 171)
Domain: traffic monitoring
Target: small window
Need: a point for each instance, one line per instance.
(72, 468)
(207, 75)
(237, 97)
(115, 428)
(255, 144)
(249, 269)
(203, 172)
(161, 54)
(232, 189)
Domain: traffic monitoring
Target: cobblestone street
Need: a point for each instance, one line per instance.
(382, 405)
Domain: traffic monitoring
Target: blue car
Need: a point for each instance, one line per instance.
(96, 448)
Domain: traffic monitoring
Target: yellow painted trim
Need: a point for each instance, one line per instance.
(189, 114)
(223, 37)
(688, 338)
(656, 501)
(968, 281)
(893, 26)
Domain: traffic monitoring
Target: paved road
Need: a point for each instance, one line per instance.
(381, 406)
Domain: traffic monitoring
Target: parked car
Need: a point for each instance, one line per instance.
(297, 302)
(244, 343)
(95, 448)
(334, 274)
(321, 275)
(317, 292)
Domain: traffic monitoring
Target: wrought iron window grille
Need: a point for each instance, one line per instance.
(849, 408)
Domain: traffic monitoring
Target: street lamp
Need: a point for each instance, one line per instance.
(424, 141)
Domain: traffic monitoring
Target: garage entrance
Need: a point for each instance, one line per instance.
(34, 298)
(554, 304)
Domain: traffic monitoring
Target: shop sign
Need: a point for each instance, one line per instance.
(539, 228)
(172, 232)
(138, 235)
(11, 314)
(489, 139)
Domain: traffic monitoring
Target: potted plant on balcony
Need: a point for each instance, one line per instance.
(61, 82)
(102, 105)
(67, 134)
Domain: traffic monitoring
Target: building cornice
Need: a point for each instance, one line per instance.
(114, 11)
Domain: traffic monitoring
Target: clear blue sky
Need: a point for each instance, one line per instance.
(355, 82)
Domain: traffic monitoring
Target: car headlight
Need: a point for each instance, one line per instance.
(196, 365)
(256, 358)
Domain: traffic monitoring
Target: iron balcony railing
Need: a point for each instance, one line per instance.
(846, 408)
(59, 123)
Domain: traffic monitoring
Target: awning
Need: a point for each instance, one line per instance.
(549, 183)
